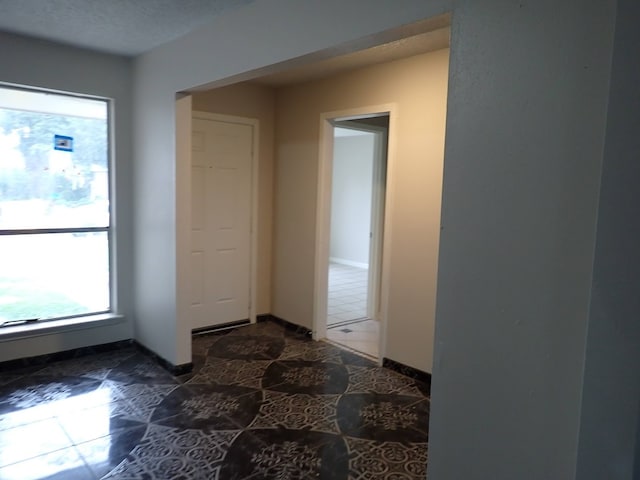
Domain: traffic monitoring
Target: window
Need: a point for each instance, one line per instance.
(54, 206)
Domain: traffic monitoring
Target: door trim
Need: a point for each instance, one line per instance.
(323, 216)
(253, 242)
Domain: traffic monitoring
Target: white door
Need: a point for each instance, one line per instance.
(220, 222)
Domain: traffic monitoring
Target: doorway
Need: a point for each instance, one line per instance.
(222, 253)
(355, 231)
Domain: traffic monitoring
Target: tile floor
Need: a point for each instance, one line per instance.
(347, 322)
(261, 403)
(361, 336)
(347, 299)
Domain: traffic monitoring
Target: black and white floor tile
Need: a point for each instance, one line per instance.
(261, 403)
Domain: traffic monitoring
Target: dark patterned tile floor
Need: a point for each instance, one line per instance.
(261, 403)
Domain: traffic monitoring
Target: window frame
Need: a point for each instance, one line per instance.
(108, 229)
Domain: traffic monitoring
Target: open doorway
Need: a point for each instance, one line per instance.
(358, 184)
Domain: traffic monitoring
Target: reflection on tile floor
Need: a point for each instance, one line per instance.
(261, 403)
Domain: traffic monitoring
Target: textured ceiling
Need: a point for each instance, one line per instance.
(125, 27)
(132, 27)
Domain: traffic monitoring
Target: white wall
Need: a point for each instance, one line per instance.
(351, 198)
(41, 64)
(414, 89)
(256, 36)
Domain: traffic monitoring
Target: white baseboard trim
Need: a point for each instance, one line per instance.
(350, 263)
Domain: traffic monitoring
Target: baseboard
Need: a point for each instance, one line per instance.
(218, 328)
(299, 329)
(408, 371)
(175, 370)
(349, 263)
(40, 360)
(184, 368)
(264, 317)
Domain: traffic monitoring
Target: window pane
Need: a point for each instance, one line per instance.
(53, 275)
(53, 161)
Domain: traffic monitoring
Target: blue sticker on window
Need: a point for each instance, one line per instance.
(61, 142)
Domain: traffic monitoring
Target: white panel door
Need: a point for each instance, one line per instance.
(220, 222)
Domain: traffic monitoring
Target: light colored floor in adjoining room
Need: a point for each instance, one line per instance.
(347, 322)
(360, 336)
(347, 299)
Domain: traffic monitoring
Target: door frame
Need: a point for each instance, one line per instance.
(253, 241)
(323, 216)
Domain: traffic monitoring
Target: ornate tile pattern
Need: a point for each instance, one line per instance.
(311, 351)
(139, 400)
(386, 460)
(202, 343)
(298, 412)
(209, 407)
(232, 372)
(175, 453)
(286, 454)
(376, 380)
(384, 417)
(247, 347)
(294, 376)
(261, 403)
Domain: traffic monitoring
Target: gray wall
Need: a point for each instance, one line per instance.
(40, 64)
(351, 198)
(610, 407)
(526, 118)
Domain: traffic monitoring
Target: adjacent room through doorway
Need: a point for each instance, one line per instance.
(357, 213)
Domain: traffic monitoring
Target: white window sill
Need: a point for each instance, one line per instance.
(50, 327)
